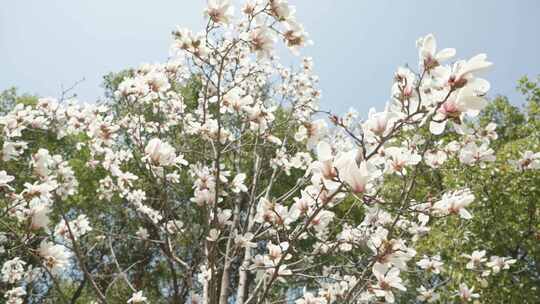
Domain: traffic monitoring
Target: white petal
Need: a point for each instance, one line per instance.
(445, 54)
(437, 127)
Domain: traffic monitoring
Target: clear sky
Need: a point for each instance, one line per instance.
(358, 43)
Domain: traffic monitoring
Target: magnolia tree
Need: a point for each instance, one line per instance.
(216, 178)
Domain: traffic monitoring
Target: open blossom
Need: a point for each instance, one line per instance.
(462, 71)
(39, 214)
(435, 159)
(427, 295)
(312, 131)
(270, 212)
(5, 179)
(466, 294)
(489, 131)
(380, 123)
(295, 36)
(275, 252)
(309, 298)
(15, 295)
(390, 252)
(220, 11)
(78, 226)
(476, 258)
(467, 100)
(55, 257)
(238, 183)
(262, 41)
(429, 57)
(455, 203)
(497, 263)
(245, 240)
(432, 264)
(281, 9)
(12, 150)
(399, 158)
(137, 297)
(528, 161)
(234, 102)
(42, 161)
(249, 7)
(12, 270)
(356, 175)
(160, 153)
(386, 280)
(472, 153)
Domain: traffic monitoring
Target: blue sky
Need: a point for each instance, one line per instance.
(358, 44)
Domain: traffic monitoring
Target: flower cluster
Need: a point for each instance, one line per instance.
(217, 169)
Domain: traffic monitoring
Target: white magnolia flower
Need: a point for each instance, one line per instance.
(473, 153)
(5, 179)
(245, 240)
(476, 258)
(238, 183)
(528, 161)
(15, 295)
(281, 9)
(399, 158)
(295, 36)
(262, 41)
(466, 294)
(432, 264)
(497, 263)
(429, 57)
(467, 100)
(386, 280)
(79, 227)
(55, 257)
(39, 215)
(435, 159)
(309, 298)
(137, 297)
(275, 252)
(12, 270)
(142, 233)
(427, 295)
(213, 235)
(160, 153)
(356, 175)
(380, 123)
(233, 102)
(42, 161)
(220, 11)
(455, 203)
